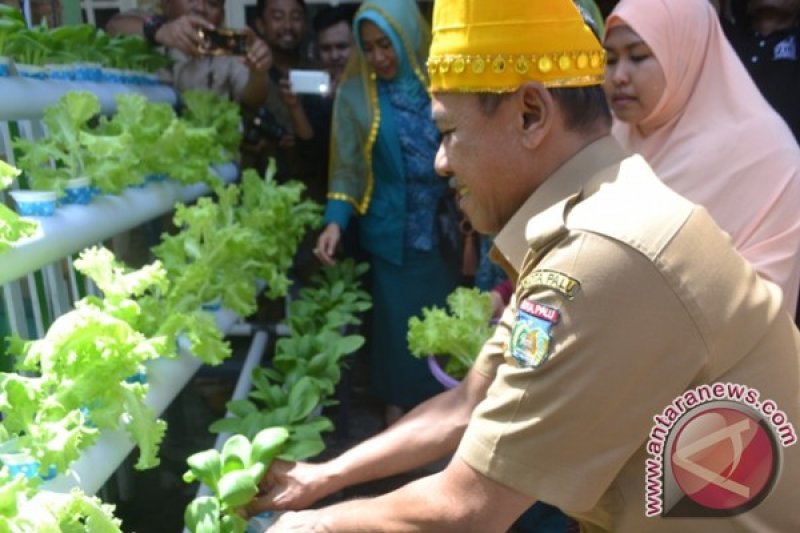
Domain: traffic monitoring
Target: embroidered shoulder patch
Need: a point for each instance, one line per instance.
(552, 279)
(530, 336)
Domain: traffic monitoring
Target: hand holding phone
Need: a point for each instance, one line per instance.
(310, 82)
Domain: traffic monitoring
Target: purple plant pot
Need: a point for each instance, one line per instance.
(440, 375)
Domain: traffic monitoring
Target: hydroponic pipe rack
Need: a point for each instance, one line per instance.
(74, 227)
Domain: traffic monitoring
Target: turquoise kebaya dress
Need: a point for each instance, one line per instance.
(382, 151)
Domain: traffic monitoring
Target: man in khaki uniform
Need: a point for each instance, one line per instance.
(629, 303)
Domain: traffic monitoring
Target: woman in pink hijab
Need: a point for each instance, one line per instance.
(683, 100)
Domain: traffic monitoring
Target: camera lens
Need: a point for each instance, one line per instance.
(265, 125)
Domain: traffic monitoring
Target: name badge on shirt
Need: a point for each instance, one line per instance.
(530, 336)
(552, 279)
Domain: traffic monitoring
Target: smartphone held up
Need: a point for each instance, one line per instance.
(310, 82)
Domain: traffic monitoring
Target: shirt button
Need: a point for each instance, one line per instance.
(762, 43)
(754, 59)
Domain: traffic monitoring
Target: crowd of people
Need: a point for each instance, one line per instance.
(634, 169)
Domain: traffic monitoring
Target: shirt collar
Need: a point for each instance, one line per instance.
(572, 177)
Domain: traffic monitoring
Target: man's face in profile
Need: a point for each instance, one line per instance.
(335, 44)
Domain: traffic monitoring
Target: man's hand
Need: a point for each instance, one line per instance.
(181, 33)
(259, 55)
(289, 486)
(287, 96)
(455, 499)
(287, 141)
(305, 522)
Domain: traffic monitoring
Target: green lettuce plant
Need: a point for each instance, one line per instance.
(12, 227)
(233, 476)
(11, 23)
(72, 150)
(29, 46)
(272, 403)
(334, 299)
(306, 366)
(24, 508)
(206, 109)
(58, 407)
(458, 332)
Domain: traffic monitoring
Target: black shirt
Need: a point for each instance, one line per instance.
(774, 64)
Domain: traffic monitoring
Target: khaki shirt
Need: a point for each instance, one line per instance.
(637, 296)
(227, 76)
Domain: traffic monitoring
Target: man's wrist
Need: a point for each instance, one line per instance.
(325, 521)
(331, 477)
(151, 26)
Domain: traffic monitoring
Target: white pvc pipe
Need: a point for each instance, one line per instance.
(26, 98)
(74, 227)
(27, 13)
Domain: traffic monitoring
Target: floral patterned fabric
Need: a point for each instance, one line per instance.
(419, 141)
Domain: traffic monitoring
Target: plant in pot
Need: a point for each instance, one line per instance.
(135, 59)
(72, 157)
(455, 337)
(69, 46)
(23, 507)
(50, 163)
(159, 144)
(29, 48)
(11, 23)
(12, 227)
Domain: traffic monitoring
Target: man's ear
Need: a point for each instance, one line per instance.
(537, 110)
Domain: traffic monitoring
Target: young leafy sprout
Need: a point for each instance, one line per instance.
(233, 476)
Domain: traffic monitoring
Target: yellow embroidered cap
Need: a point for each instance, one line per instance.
(496, 45)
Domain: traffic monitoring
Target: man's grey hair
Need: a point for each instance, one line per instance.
(584, 108)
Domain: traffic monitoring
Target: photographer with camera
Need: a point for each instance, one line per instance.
(238, 74)
(281, 124)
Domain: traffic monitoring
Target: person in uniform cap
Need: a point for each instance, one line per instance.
(629, 303)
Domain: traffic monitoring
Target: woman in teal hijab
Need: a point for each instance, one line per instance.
(383, 145)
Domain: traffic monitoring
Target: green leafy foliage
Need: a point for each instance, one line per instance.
(459, 333)
(141, 139)
(11, 23)
(131, 52)
(28, 46)
(277, 218)
(316, 356)
(159, 136)
(12, 227)
(74, 513)
(206, 109)
(79, 346)
(24, 509)
(72, 150)
(233, 476)
(141, 298)
(223, 247)
(274, 403)
(306, 365)
(332, 301)
(73, 44)
(56, 412)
